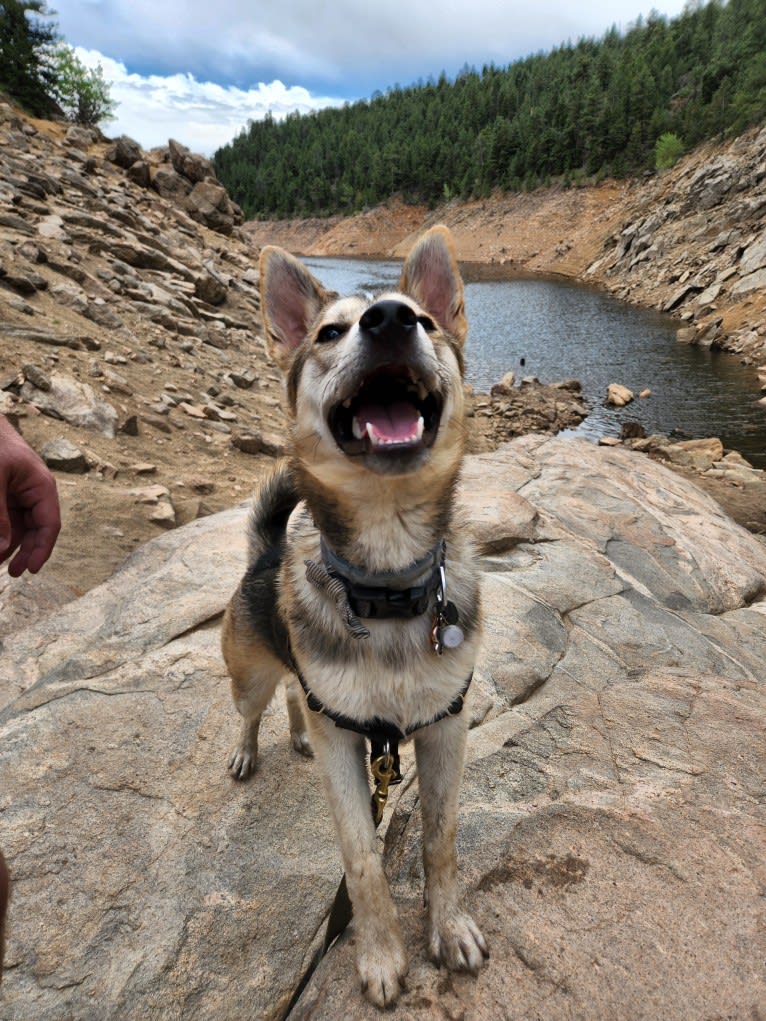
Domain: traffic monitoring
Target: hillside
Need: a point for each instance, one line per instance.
(131, 340)
(610, 107)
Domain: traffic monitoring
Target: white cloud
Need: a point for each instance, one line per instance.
(202, 115)
(349, 47)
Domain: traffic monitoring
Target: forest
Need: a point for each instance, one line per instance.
(584, 111)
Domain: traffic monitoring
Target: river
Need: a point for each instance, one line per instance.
(558, 330)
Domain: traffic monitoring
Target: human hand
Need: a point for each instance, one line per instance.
(30, 519)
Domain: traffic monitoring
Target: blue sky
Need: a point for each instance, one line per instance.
(197, 71)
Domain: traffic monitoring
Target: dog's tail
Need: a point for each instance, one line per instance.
(273, 505)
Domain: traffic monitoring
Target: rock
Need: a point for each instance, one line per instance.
(124, 151)
(610, 833)
(504, 386)
(699, 454)
(752, 282)
(259, 443)
(190, 165)
(36, 377)
(200, 485)
(164, 514)
(168, 183)
(210, 204)
(618, 395)
(130, 426)
(74, 402)
(150, 494)
(71, 296)
(210, 287)
(139, 174)
(754, 256)
(80, 137)
(242, 378)
(61, 455)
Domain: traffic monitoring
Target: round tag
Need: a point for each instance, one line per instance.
(452, 636)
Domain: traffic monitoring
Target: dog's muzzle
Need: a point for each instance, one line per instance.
(395, 409)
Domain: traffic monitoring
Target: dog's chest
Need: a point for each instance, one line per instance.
(393, 672)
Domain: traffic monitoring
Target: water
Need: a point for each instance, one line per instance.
(564, 330)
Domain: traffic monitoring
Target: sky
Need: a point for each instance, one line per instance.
(199, 70)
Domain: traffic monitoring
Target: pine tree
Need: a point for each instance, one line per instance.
(26, 72)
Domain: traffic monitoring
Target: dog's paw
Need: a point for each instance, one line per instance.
(242, 760)
(301, 743)
(458, 944)
(382, 970)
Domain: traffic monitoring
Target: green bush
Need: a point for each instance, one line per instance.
(668, 149)
(81, 92)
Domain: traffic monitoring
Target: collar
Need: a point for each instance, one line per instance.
(381, 594)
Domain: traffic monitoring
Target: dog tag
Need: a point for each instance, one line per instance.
(450, 613)
(452, 636)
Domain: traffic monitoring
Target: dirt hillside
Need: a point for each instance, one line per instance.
(131, 349)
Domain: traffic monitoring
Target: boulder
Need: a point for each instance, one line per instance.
(700, 454)
(74, 402)
(168, 183)
(139, 174)
(610, 836)
(618, 395)
(209, 203)
(124, 151)
(190, 165)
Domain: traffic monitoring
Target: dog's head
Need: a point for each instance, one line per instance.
(373, 384)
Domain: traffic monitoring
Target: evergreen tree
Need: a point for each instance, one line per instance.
(594, 108)
(26, 37)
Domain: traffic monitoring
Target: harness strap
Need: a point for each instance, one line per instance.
(384, 763)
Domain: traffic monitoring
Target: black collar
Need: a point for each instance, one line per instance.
(386, 594)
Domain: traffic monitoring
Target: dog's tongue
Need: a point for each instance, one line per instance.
(399, 422)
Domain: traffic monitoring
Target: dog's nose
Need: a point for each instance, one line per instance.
(388, 320)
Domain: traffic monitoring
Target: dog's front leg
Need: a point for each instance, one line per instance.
(380, 957)
(454, 938)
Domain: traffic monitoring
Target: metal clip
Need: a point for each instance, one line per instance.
(383, 773)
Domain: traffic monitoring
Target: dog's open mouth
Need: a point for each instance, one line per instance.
(393, 411)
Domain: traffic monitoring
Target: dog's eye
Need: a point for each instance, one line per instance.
(330, 332)
(427, 323)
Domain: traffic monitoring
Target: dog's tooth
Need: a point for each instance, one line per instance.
(347, 403)
(420, 427)
(356, 428)
(422, 391)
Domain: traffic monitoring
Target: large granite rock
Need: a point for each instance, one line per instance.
(611, 840)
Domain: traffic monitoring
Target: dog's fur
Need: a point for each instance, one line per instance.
(382, 507)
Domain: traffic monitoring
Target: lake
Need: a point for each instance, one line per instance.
(564, 330)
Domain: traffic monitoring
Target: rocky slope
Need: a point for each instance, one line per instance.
(611, 834)
(131, 353)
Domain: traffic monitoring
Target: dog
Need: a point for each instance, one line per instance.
(362, 589)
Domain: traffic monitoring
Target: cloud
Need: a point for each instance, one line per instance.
(200, 114)
(199, 70)
(346, 47)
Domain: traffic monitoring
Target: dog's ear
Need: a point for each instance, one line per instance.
(431, 276)
(291, 299)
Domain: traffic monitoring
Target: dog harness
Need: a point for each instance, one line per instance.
(378, 596)
(399, 594)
